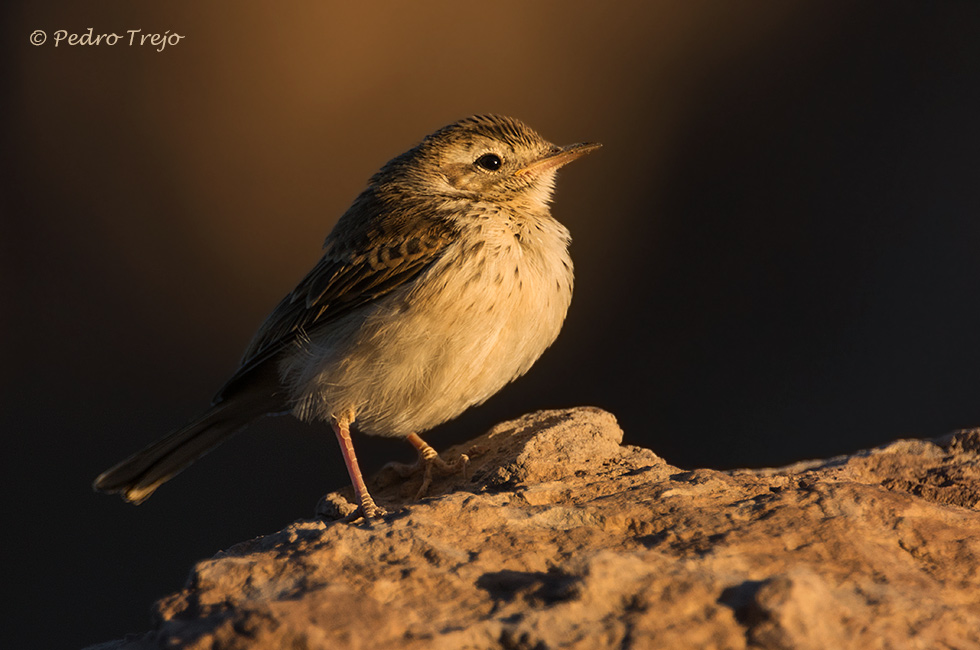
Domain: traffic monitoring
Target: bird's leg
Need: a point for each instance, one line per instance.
(429, 458)
(368, 508)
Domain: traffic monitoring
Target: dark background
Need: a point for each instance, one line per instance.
(776, 251)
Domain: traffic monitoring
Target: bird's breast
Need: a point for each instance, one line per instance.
(479, 317)
(505, 290)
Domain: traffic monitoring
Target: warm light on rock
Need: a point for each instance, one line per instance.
(562, 538)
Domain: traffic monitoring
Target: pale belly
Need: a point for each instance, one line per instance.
(424, 354)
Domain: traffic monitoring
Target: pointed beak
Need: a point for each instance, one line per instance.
(558, 157)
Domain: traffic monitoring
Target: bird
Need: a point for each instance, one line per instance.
(445, 280)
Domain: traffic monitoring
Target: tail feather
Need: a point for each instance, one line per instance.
(139, 475)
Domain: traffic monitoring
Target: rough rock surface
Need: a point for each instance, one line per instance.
(562, 538)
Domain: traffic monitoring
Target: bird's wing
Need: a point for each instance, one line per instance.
(359, 265)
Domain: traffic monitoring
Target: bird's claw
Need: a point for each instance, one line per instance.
(367, 512)
(426, 464)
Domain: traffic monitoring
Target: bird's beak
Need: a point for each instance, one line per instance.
(558, 157)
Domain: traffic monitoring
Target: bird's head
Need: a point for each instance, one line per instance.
(487, 158)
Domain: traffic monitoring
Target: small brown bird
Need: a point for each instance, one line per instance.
(446, 279)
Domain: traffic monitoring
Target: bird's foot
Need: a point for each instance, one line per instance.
(428, 460)
(367, 511)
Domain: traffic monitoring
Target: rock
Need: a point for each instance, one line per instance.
(559, 537)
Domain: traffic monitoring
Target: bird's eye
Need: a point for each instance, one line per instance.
(490, 162)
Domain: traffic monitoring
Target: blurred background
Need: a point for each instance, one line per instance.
(776, 250)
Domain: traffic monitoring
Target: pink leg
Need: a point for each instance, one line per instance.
(369, 508)
(424, 449)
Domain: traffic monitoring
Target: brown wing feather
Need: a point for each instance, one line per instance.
(347, 277)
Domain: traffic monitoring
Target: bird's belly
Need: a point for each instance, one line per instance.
(425, 353)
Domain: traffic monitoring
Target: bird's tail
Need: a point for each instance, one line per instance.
(138, 476)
